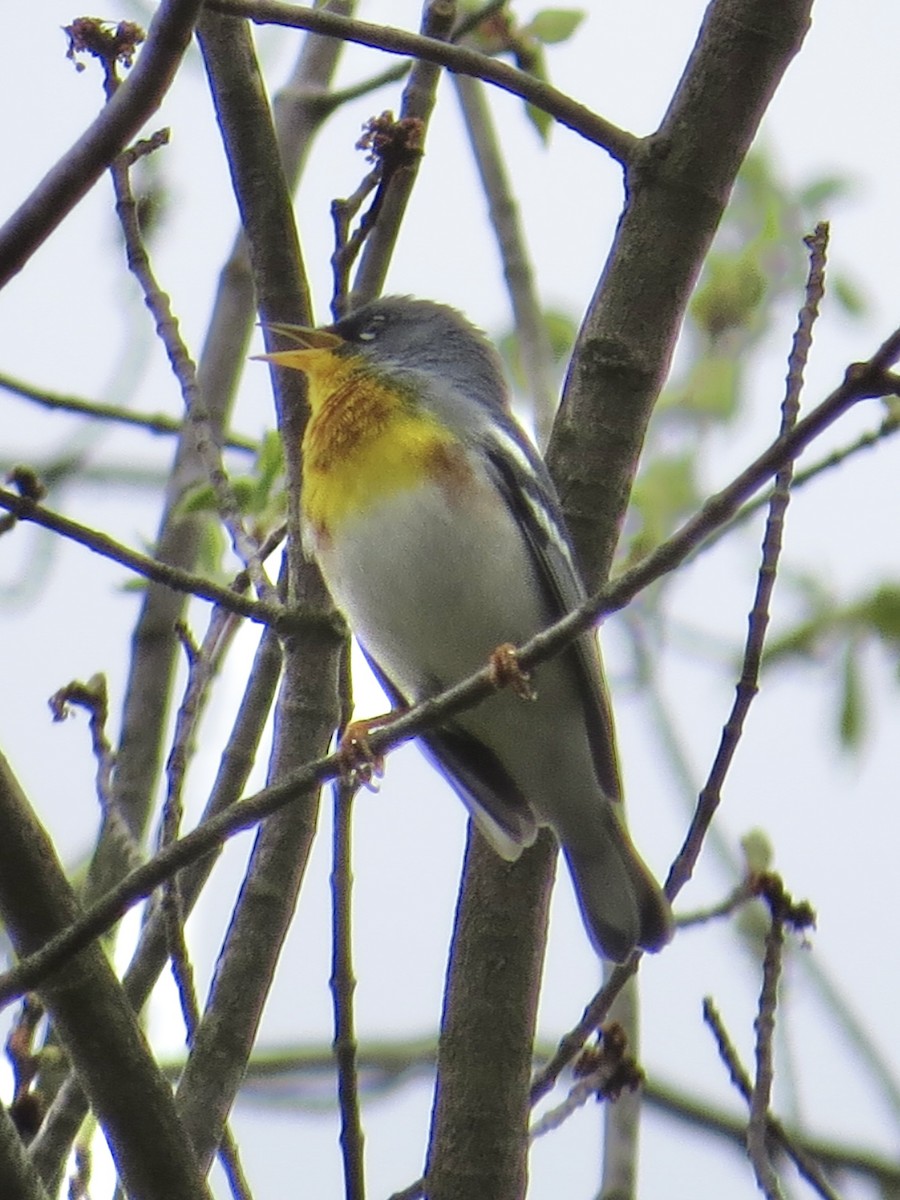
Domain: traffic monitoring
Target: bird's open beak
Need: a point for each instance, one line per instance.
(309, 346)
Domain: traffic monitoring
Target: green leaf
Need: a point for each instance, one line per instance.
(529, 56)
(822, 191)
(757, 850)
(554, 25)
(732, 289)
(848, 295)
(713, 387)
(198, 499)
(561, 331)
(541, 120)
(852, 719)
(882, 613)
(665, 489)
(211, 549)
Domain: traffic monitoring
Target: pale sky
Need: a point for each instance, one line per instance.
(71, 322)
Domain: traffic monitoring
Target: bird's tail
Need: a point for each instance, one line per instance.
(622, 904)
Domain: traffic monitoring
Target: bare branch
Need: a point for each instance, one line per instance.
(761, 1095)
(18, 1176)
(802, 1158)
(748, 684)
(303, 725)
(415, 112)
(198, 423)
(132, 1099)
(171, 577)
(343, 987)
(152, 423)
(617, 142)
(531, 331)
(93, 697)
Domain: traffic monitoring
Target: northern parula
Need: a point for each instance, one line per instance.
(439, 533)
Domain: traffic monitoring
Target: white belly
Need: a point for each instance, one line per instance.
(474, 586)
(431, 587)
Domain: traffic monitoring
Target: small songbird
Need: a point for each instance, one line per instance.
(439, 534)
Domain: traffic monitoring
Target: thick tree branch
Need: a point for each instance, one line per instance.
(18, 1176)
(307, 712)
(677, 184)
(91, 1015)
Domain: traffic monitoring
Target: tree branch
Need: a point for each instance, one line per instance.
(617, 142)
(307, 712)
(416, 106)
(91, 1015)
(151, 422)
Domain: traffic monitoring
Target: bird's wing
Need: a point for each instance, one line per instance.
(522, 479)
(477, 776)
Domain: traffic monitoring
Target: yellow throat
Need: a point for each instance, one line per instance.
(366, 438)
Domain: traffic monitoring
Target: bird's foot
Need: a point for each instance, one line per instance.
(506, 672)
(360, 764)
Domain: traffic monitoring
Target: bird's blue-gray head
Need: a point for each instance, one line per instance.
(400, 333)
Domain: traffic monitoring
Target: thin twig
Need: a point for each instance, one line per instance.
(203, 662)
(343, 987)
(151, 422)
(801, 1157)
(343, 981)
(93, 697)
(618, 143)
(605, 1071)
(761, 1095)
(710, 797)
(740, 895)
(347, 244)
(328, 101)
(196, 415)
(401, 172)
(262, 611)
(532, 339)
(765, 1021)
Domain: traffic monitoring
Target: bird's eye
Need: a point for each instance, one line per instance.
(372, 328)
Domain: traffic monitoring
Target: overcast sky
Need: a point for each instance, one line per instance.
(72, 322)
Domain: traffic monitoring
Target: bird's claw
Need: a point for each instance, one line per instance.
(506, 672)
(360, 765)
